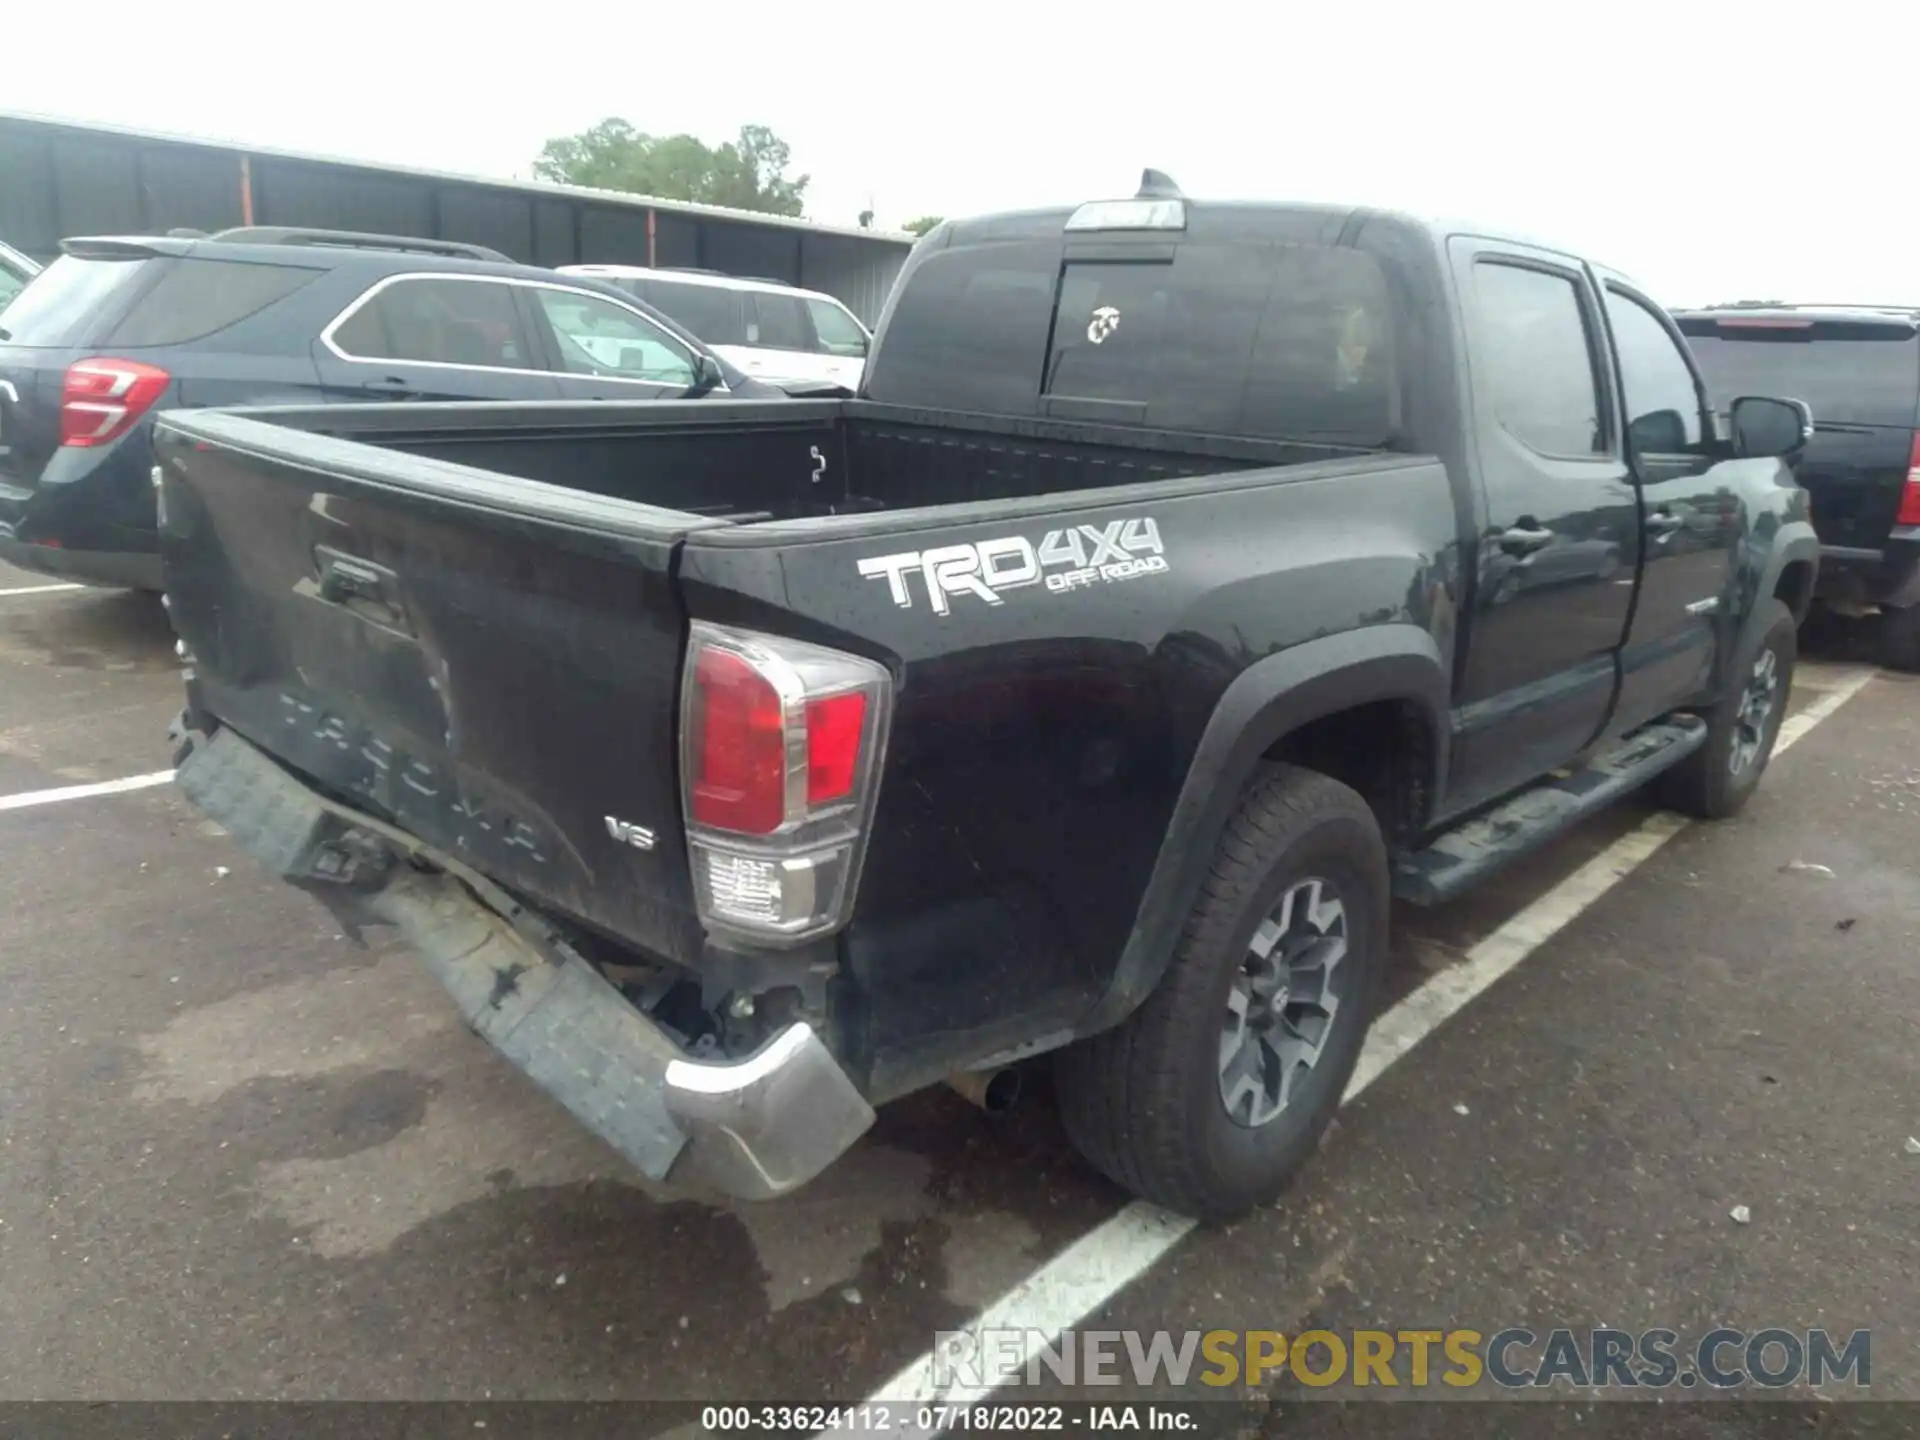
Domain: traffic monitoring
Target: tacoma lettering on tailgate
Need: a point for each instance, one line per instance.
(411, 789)
(1084, 554)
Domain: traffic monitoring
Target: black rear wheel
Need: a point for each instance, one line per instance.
(1215, 1091)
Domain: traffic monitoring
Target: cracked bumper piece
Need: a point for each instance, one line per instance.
(752, 1128)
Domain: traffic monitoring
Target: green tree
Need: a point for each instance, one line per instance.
(922, 225)
(748, 173)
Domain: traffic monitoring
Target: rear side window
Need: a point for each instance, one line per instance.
(197, 298)
(712, 312)
(72, 301)
(1862, 373)
(1282, 341)
(1534, 355)
(779, 323)
(438, 322)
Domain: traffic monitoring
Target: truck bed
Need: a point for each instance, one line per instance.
(491, 659)
(747, 461)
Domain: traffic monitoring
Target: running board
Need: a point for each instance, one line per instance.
(1470, 852)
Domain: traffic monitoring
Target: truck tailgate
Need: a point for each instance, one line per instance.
(489, 663)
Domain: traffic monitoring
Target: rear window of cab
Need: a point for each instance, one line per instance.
(1281, 341)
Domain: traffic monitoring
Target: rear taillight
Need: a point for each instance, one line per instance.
(101, 399)
(780, 757)
(1910, 497)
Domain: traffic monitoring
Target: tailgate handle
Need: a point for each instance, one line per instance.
(345, 580)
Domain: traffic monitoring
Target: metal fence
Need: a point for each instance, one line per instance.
(59, 180)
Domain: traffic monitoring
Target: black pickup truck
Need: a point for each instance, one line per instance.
(1187, 580)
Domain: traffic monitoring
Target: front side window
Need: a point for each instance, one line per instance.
(1663, 405)
(839, 333)
(598, 337)
(1535, 358)
(438, 322)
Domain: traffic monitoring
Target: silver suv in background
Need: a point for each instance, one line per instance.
(776, 333)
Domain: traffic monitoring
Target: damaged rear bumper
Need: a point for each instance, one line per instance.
(752, 1128)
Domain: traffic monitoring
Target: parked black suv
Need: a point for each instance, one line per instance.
(1859, 368)
(118, 330)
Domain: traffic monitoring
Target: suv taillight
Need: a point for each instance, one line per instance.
(781, 744)
(101, 399)
(1910, 497)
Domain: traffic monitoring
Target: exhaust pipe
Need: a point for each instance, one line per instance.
(994, 1091)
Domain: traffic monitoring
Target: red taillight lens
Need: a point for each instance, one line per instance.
(739, 737)
(781, 744)
(834, 726)
(101, 399)
(1910, 497)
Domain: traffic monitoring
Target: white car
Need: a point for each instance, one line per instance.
(776, 333)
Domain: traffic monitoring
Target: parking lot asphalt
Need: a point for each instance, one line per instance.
(242, 1158)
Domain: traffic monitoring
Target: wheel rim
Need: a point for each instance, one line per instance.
(1281, 1007)
(1755, 712)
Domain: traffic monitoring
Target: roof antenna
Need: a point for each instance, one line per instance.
(1158, 185)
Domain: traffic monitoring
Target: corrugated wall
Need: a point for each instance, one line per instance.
(61, 180)
(856, 274)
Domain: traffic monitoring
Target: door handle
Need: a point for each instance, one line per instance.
(1525, 538)
(395, 386)
(1663, 523)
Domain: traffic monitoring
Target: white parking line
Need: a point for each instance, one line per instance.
(39, 589)
(84, 792)
(1112, 1255)
(1834, 696)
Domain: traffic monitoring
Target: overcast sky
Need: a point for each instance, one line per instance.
(1715, 151)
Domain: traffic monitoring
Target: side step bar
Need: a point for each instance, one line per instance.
(1475, 849)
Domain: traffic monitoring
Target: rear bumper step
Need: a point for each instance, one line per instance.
(752, 1128)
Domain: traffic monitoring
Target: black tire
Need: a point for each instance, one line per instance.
(1707, 784)
(1900, 639)
(1145, 1101)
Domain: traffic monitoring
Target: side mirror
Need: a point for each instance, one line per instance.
(706, 375)
(1764, 426)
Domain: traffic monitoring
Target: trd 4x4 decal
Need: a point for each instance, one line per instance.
(1090, 555)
